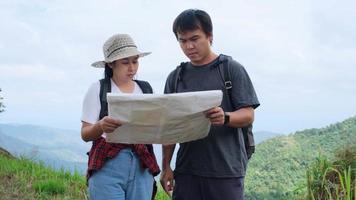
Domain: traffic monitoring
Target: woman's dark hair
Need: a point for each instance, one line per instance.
(192, 19)
(108, 71)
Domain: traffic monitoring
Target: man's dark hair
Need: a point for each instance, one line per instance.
(192, 19)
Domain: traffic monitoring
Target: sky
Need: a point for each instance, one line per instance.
(300, 55)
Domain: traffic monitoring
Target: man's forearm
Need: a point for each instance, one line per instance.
(167, 151)
(241, 117)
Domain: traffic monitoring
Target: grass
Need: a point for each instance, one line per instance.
(24, 179)
(333, 180)
(161, 195)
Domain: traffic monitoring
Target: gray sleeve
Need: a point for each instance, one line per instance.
(243, 94)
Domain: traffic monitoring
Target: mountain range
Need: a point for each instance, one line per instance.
(277, 170)
(61, 148)
(55, 147)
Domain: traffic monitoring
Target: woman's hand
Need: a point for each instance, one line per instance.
(108, 124)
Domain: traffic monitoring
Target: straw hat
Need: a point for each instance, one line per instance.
(117, 47)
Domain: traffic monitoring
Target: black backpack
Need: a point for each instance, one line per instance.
(224, 71)
(105, 87)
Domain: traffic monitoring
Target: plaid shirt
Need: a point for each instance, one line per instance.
(101, 151)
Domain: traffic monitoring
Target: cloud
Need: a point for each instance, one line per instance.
(30, 73)
(300, 55)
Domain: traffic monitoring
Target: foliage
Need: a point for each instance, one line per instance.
(1, 104)
(161, 194)
(335, 180)
(277, 169)
(285, 167)
(25, 179)
(49, 187)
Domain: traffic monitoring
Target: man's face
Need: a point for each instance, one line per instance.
(195, 45)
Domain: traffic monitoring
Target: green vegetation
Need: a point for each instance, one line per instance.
(278, 168)
(310, 164)
(24, 179)
(333, 180)
(161, 195)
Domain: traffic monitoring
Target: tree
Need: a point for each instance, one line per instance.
(1, 104)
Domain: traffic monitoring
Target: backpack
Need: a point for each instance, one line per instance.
(105, 87)
(224, 71)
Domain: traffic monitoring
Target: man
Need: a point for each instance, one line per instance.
(213, 167)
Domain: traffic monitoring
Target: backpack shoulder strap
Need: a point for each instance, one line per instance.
(224, 70)
(105, 87)
(178, 75)
(145, 86)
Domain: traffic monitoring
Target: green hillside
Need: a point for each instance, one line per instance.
(278, 168)
(276, 171)
(24, 179)
(27, 180)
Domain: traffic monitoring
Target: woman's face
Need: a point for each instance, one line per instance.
(125, 69)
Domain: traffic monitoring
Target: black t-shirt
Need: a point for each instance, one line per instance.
(222, 152)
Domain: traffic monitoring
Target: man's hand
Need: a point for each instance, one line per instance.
(108, 124)
(167, 180)
(216, 115)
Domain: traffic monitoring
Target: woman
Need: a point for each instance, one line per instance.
(116, 171)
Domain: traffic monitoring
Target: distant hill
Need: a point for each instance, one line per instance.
(261, 136)
(278, 167)
(62, 148)
(56, 147)
(276, 170)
